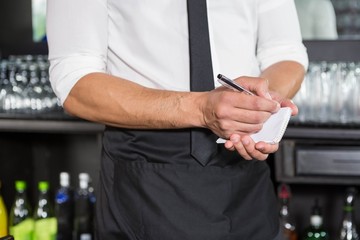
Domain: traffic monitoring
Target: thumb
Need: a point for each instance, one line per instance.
(262, 89)
(258, 86)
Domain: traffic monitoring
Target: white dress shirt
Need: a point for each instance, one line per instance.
(147, 41)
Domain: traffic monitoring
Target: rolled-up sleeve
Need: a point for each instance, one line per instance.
(77, 39)
(279, 37)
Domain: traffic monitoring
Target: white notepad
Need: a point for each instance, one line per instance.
(273, 129)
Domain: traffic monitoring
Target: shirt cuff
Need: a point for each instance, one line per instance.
(271, 56)
(65, 72)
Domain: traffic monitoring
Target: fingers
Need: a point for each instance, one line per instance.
(229, 112)
(240, 146)
(240, 115)
(226, 112)
(285, 102)
(248, 149)
(266, 147)
(290, 103)
(259, 86)
(262, 100)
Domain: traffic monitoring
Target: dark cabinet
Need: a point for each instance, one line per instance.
(319, 156)
(36, 150)
(319, 163)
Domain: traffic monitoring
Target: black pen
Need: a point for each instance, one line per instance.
(227, 82)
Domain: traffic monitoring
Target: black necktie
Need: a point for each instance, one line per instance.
(203, 141)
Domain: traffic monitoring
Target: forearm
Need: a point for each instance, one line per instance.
(113, 101)
(285, 78)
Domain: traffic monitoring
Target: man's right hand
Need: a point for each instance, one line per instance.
(228, 112)
(235, 115)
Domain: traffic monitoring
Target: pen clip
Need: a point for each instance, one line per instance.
(227, 82)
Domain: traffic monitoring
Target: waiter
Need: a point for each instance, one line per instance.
(147, 70)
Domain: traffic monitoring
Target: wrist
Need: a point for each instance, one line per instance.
(193, 107)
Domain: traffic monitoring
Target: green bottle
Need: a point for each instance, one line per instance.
(21, 223)
(315, 230)
(3, 217)
(44, 216)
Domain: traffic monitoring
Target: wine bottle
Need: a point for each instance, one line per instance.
(3, 217)
(316, 230)
(64, 208)
(348, 229)
(45, 221)
(21, 223)
(83, 221)
(286, 226)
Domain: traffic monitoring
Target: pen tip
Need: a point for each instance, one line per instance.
(219, 75)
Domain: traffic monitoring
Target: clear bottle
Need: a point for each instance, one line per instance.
(3, 217)
(45, 221)
(84, 211)
(21, 223)
(316, 230)
(348, 229)
(64, 208)
(286, 226)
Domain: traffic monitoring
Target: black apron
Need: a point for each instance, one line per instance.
(152, 189)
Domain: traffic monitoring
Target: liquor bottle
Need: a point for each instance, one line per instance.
(45, 221)
(316, 230)
(64, 208)
(92, 193)
(348, 225)
(286, 226)
(83, 220)
(21, 223)
(3, 217)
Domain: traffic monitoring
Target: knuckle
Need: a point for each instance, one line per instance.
(257, 127)
(263, 81)
(258, 118)
(220, 112)
(223, 126)
(258, 103)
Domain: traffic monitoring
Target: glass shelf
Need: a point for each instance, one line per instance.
(49, 126)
